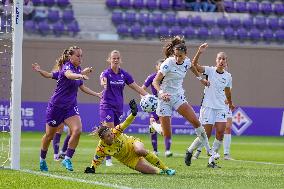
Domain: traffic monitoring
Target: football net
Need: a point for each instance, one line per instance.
(11, 34)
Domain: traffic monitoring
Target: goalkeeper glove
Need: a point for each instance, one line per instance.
(133, 107)
(90, 170)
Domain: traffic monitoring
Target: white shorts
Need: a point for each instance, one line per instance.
(229, 112)
(166, 108)
(211, 116)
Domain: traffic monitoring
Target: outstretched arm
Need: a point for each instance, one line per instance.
(70, 75)
(138, 89)
(36, 67)
(195, 60)
(89, 91)
(197, 74)
(228, 94)
(87, 70)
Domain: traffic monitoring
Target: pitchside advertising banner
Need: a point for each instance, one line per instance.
(246, 120)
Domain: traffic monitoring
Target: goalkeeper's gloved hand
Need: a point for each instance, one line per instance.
(133, 107)
(90, 170)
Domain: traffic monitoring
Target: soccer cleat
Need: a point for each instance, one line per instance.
(227, 157)
(170, 172)
(196, 154)
(216, 156)
(67, 164)
(213, 165)
(156, 153)
(56, 157)
(62, 156)
(109, 163)
(168, 153)
(187, 158)
(43, 165)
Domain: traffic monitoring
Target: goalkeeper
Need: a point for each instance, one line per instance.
(127, 149)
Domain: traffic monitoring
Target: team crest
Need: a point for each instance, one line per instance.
(241, 121)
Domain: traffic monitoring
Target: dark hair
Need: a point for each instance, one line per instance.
(102, 130)
(172, 42)
(64, 57)
(181, 47)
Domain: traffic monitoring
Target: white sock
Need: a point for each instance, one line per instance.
(194, 145)
(216, 145)
(157, 127)
(203, 137)
(227, 143)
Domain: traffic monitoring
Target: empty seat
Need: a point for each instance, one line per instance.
(151, 4)
(222, 22)
(279, 36)
(273, 23)
(189, 32)
(176, 30)
(267, 35)
(53, 15)
(37, 2)
(247, 23)
(43, 28)
(163, 31)
(156, 18)
(123, 30)
(183, 21)
(229, 33)
(125, 4)
(253, 7)
(178, 5)
(196, 21)
(150, 31)
(73, 28)
(260, 22)
(241, 6)
(117, 17)
(112, 4)
(49, 3)
(215, 33)
(209, 22)
(170, 18)
(242, 34)
(164, 5)
(266, 8)
(138, 4)
(254, 35)
(235, 22)
(136, 31)
(63, 3)
(202, 33)
(129, 17)
(278, 8)
(229, 6)
(68, 15)
(143, 18)
(58, 28)
(29, 26)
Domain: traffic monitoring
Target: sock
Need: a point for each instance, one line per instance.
(216, 145)
(227, 143)
(168, 142)
(199, 148)
(69, 154)
(194, 145)
(56, 142)
(200, 132)
(154, 139)
(154, 160)
(157, 127)
(108, 157)
(43, 154)
(65, 144)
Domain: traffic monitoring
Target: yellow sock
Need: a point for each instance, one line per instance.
(154, 160)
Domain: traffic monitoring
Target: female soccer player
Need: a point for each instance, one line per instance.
(168, 83)
(113, 79)
(127, 149)
(213, 109)
(62, 107)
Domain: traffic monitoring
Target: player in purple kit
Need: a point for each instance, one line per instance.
(113, 79)
(155, 127)
(62, 107)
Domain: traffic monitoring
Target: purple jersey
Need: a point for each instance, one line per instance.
(113, 94)
(55, 75)
(65, 94)
(149, 82)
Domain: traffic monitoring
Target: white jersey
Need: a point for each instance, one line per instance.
(214, 95)
(173, 75)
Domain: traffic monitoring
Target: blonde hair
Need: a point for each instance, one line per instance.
(64, 57)
(113, 52)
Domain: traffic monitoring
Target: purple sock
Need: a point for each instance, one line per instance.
(56, 142)
(168, 142)
(108, 157)
(65, 145)
(154, 139)
(70, 153)
(43, 154)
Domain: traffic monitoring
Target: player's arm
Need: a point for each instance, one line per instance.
(138, 89)
(89, 91)
(97, 160)
(73, 76)
(197, 75)
(195, 60)
(87, 70)
(228, 94)
(103, 82)
(36, 67)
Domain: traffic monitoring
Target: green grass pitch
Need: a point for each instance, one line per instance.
(259, 163)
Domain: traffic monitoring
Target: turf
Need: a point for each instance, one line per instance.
(259, 164)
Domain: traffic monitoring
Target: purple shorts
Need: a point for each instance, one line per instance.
(55, 116)
(108, 115)
(155, 116)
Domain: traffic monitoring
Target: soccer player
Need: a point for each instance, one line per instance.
(154, 119)
(127, 149)
(62, 107)
(168, 83)
(113, 79)
(227, 134)
(213, 109)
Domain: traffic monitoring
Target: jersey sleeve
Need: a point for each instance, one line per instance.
(121, 127)
(165, 67)
(148, 81)
(128, 78)
(229, 84)
(103, 74)
(55, 75)
(207, 70)
(99, 156)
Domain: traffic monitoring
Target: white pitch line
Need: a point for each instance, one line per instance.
(75, 179)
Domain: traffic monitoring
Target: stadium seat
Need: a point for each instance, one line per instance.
(260, 22)
(73, 28)
(202, 33)
(163, 31)
(248, 23)
(150, 31)
(138, 4)
(143, 18)
(124, 4)
(235, 22)
(164, 5)
(254, 35)
(63, 3)
(123, 30)
(58, 28)
(117, 17)
(267, 35)
(252, 7)
(242, 34)
(176, 30)
(241, 6)
(111, 4)
(196, 21)
(40, 14)
(151, 4)
(170, 18)
(279, 36)
(49, 3)
(130, 17)
(37, 2)
(156, 18)
(43, 28)
(222, 22)
(29, 26)
(189, 32)
(183, 21)
(229, 33)
(265, 8)
(278, 9)
(136, 31)
(209, 22)
(68, 15)
(53, 15)
(215, 33)
(273, 23)
(178, 5)
(281, 23)
(229, 6)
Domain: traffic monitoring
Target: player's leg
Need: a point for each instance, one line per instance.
(65, 144)
(227, 139)
(208, 130)
(56, 141)
(154, 136)
(167, 131)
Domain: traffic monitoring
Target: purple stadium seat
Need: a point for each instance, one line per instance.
(29, 26)
(189, 32)
(178, 5)
(129, 17)
(124, 4)
(196, 21)
(49, 3)
(229, 33)
(122, 30)
(209, 22)
(279, 36)
(260, 22)
(278, 9)
(156, 18)
(163, 31)
(235, 22)
(53, 15)
(151, 4)
(150, 31)
(68, 15)
(222, 22)
(253, 7)
(281, 23)
(183, 21)
(248, 23)
(241, 6)
(266, 7)
(37, 2)
(58, 28)
(138, 4)
(111, 4)
(242, 34)
(73, 28)
(170, 18)
(165, 5)
(273, 23)
(117, 17)
(43, 27)
(215, 33)
(254, 35)
(63, 3)
(136, 31)
(202, 33)
(229, 6)
(176, 30)
(143, 18)
(267, 35)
